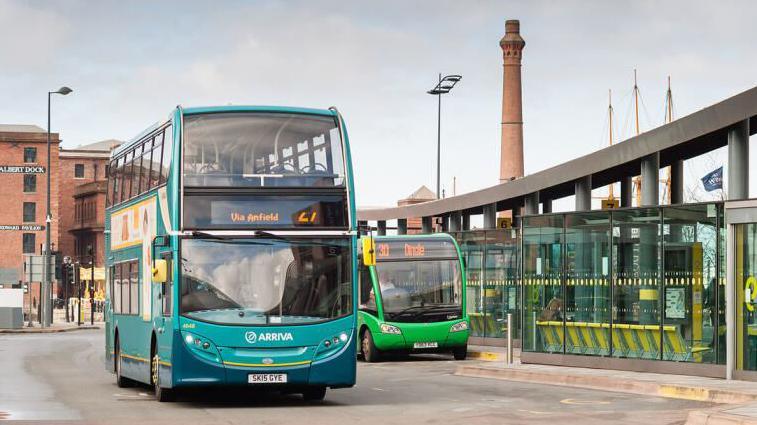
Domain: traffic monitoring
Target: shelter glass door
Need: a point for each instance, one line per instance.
(745, 284)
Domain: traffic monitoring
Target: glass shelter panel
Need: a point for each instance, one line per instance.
(636, 331)
(587, 283)
(690, 284)
(543, 298)
(501, 284)
(472, 248)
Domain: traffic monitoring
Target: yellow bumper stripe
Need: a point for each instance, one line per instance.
(266, 365)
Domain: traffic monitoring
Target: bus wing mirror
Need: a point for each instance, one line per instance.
(369, 251)
(159, 271)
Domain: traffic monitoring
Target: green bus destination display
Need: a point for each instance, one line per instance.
(415, 248)
(225, 212)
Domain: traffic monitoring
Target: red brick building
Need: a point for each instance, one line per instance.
(83, 177)
(77, 201)
(23, 189)
(422, 194)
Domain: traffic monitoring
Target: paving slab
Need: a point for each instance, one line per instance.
(54, 328)
(673, 386)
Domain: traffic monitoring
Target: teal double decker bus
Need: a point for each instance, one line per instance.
(231, 251)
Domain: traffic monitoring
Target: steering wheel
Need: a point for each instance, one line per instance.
(283, 167)
(313, 168)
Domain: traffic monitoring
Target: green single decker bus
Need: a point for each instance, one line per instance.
(231, 252)
(411, 296)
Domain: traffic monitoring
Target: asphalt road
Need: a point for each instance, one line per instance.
(55, 377)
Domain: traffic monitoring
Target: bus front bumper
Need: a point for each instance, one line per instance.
(422, 337)
(337, 370)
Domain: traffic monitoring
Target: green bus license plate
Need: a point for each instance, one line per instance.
(426, 345)
(267, 378)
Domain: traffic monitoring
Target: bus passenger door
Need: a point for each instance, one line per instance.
(163, 308)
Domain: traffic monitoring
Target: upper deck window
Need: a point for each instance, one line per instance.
(261, 150)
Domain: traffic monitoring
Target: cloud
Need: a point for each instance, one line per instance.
(30, 36)
(130, 63)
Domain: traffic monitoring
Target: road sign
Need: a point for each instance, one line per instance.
(34, 265)
(610, 204)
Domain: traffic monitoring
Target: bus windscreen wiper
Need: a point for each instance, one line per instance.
(206, 235)
(224, 238)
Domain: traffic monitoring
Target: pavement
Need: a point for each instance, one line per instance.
(53, 328)
(50, 378)
(737, 400)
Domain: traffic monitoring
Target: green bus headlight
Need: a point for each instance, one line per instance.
(458, 327)
(389, 329)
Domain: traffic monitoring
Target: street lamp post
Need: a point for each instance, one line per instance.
(46, 281)
(444, 85)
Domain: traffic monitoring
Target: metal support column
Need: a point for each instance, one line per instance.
(531, 205)
(650, 180)
(517, 213)
(626, 191)
(676, 182)
(466, 221)
(490, 216)
(455, 221)
(445, 223)
(546, 206)
(426, 225)
(381, 224)
(401, 226)
(583, 194)
(738, 161)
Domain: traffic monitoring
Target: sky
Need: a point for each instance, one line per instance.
(130, 63)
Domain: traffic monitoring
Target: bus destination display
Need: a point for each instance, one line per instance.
(223, 212)
(414, 249)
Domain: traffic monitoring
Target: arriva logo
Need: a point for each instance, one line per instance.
(252, 337)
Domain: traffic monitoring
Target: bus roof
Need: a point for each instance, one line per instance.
(257, 108)
(228, 108)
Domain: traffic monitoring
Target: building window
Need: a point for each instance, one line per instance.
(30, 212)
(29, 243)
(30, 183)
(30, 155)
(79, 171)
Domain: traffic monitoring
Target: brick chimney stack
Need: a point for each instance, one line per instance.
(511, 153)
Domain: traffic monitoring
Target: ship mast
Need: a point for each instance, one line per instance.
(637, 179)
(610, 195)
(668, 120)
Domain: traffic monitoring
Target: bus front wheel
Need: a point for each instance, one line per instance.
(370, 352)
(460, 353)
(161, 394)
(314, 394)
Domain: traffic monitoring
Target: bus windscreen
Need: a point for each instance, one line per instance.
(234, 149)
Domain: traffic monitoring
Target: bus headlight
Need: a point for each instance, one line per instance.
(389, 329)
(458, 327)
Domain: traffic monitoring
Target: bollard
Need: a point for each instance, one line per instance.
(509, 339)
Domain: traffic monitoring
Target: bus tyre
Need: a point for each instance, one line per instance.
(370, 352)
(460, 353)
(161, 394)
(121, 381)
(314, 394)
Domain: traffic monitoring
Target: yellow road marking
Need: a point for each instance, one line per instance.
(576, 401)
